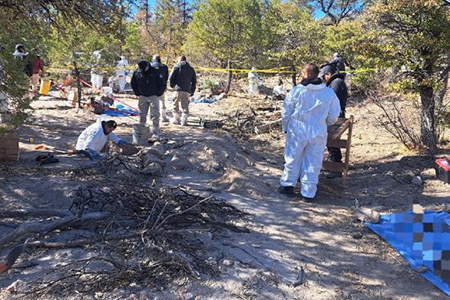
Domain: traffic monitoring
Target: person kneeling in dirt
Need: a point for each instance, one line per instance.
(307, 110)
(335, 80)
(148, 83)
(92, 140)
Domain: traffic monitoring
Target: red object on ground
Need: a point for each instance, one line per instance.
(443, 169)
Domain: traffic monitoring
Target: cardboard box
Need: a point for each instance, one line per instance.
(9, 147)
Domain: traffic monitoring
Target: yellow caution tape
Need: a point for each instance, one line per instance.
(268, 71)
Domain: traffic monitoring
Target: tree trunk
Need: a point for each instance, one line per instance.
(294, 75)
(427, 114)
(77, 74)
(440, 108)
(230, 76)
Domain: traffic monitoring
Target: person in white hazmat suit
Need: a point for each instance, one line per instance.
(92, 140)
(96, 74)
(121, 73)
(253, 82)
(307, 111)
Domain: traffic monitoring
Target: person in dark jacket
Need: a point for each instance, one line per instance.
(183, 80)
(336, 81)
(148, 84)
(338, 62)
(164, 71)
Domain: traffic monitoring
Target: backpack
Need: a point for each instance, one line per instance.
(29, 69)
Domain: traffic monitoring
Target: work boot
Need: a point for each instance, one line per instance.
(307, 199)
(175, 119)
(334, 175)
(164, 116)
(153, 139)
(184, 118)
(286, 190)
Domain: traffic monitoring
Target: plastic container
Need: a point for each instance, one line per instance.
(140, 134)
(45, 86)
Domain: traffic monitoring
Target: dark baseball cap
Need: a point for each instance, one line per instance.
(327, 69)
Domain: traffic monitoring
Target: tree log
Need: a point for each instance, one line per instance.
(44, 227)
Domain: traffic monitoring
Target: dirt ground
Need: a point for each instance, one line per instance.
(292, 250)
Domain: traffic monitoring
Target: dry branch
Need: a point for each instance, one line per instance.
(30, 228)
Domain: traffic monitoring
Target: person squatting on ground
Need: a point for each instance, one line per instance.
(38, 66)
(164, 71)
(92, 140)
(336, 81)
(121, 73)
(307, 111)
(279, 91)
(183, 80)
(148, 84)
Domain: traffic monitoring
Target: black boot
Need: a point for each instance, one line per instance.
(286, 190)
(307, 199)
(334, 175)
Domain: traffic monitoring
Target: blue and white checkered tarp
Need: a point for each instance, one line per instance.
(423, 240)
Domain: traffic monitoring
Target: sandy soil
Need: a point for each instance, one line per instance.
(287, 239)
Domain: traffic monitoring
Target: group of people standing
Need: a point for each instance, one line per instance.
(308, 109)
(149, 82)
(33, 65)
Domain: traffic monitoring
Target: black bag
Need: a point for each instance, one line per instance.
(29, 69)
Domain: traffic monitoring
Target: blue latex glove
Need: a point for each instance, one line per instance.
(122, 142)
(91, 154)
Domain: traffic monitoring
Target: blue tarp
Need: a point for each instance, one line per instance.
(205, 100)
(122, 111)
(423, 240)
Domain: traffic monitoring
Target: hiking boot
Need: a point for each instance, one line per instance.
(175, 119)
(184, 118)
(286, 190)
(307, 199)
(334, 175)
(153, 139)
(164, 117)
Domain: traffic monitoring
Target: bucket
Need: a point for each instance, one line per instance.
(45, 86)
(140, 134)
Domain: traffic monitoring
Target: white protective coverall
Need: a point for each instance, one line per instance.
(97, 76)
(94, 138)
(279, 90)
(121, 74)
(253, 82)
(307, 112)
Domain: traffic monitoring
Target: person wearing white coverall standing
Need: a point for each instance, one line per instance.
(253, 82)
(307, 111)
(121, 73)
(96, 73)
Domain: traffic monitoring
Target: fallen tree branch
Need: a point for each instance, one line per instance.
(181, 212)
(44, 227)
(82, 242)
(22, 213)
